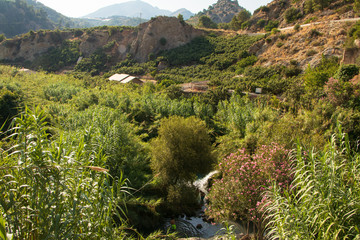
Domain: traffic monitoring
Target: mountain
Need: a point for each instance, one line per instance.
(129, 9)
(57, 18)
(112, 21)
(18, 17)
(186, 13)
(221, 12)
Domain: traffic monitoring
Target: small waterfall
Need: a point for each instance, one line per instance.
(202, 183)
(197, 226)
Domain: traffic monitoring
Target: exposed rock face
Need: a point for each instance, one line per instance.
(224, 10)
(30, 47)
(161, 33)
(221, 12)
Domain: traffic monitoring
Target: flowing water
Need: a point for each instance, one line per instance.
(196, 226)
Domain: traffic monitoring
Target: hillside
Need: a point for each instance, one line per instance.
(156, 35)
(186, 13)
(58, 19)
(18, 17)
(284, 13)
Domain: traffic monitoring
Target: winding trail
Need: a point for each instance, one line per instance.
(317, 23)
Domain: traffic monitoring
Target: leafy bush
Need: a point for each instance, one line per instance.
(57, 58)
(292, 14)
(342, 93)
(314, 33)
(240, 21)
(346, 72)
(96, 63)
(238, 194)
(181, 151)
(261, 23)
(163, 41)
(297, 27)
(322, 204)
(271, 24)
(206, 22)
(318, 76)
(245, 62)
(10, 105)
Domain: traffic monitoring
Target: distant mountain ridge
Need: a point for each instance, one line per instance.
(135, 8)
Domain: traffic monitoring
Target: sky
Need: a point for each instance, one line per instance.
(79, 8)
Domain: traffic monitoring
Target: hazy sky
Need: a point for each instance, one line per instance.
(79, 8)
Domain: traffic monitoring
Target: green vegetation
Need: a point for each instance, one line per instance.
(206, 22)
(180, 153)
(57, 58)
(101, 159)
(240, 20)
(323, 202)
(17, 16)
(271, 25)
(292, 14)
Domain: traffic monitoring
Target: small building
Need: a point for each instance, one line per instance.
(27, 71)
(124, 78)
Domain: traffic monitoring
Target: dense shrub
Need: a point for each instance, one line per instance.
(10, 105)
(56, 58)
(346, 72)
(181, 151)
(292, 14)
(271, 24)
(240, 21)
(261, 23)
(318, 76)
(206, 22)
(342, 93)
(239, 193)
(323, 202)
(297, 27)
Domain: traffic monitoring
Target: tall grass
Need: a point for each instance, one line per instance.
(53, 190)
(324, 202)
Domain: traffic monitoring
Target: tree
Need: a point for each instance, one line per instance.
(182, 150)
(292, 14)
(206, 22)
(237, 21)
(357, 6)
(181, 18)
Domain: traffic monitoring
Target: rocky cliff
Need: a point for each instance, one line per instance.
(158, 34)
(221, 12)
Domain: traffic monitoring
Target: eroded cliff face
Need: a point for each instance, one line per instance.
(158, 34)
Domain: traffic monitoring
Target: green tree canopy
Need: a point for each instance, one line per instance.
(182, 150)
(239, 19)
(206, 22)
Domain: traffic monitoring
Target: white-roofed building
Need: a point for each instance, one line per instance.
(124, 78)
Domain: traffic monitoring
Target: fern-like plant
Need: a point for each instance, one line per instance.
(324, 202)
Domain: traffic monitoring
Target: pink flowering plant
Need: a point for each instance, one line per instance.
(239, 193)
